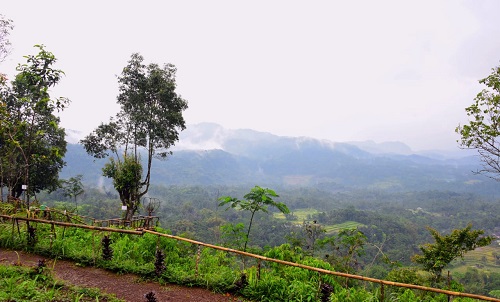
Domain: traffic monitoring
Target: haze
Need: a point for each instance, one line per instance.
(336, 70)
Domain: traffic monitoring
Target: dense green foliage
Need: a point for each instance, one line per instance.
(197, 266)
(391, 226)
(446, 248)
(32, 144)
(126, 174)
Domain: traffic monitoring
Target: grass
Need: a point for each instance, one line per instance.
(218, 271)
(19, 283)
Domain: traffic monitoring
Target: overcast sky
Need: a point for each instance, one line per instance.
(335, 70)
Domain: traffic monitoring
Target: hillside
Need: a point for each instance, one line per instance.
(208, 154)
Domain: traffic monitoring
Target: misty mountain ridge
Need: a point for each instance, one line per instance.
(211, 136)
(208, 154)
(208, 136)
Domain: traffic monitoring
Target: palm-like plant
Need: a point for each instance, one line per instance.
(258, 199)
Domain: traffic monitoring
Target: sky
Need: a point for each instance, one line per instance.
(334, 70)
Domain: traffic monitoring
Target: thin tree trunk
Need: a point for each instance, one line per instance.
(248, 231)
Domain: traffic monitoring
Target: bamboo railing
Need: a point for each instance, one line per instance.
(141, 231)
(145, 222)
(68, 224)
(324, 271)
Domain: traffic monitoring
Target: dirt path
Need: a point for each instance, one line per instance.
(127, 287)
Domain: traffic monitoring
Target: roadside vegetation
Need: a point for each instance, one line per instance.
(18, 283)
(169, 261)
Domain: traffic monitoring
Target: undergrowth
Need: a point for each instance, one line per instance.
(36, 284)
(189, 265)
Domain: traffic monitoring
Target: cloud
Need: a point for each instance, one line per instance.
(342, 71)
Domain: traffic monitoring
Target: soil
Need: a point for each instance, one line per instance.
(127, 287)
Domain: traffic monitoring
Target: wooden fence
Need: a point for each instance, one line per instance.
(142, 231)
(143, 222)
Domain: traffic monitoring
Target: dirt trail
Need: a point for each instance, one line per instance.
(127, 287)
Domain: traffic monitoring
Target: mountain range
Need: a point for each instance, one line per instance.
(208, 154)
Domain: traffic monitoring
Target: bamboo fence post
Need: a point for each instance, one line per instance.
(93, 246)
(53, 230)
(450, 298)
(13, 227)
(259, 263)
(382, 293)
(318, 291)
(198, 254)
(52, 234)
(28, 232)
(18, 230)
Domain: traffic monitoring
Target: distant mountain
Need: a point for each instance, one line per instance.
(208, 154)
(383, 148)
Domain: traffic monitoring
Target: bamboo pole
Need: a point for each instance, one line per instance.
(324, 271)
(18, 230)
(13, 228)
(198, 254)
(83, 226)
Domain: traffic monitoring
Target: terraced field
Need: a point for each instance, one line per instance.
(481, 258)
(345, 225)
(302, 215)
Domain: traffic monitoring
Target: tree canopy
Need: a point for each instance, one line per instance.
(149, 119)
(73, 187)
(436, 256)
(483, 130)
(6, 25)
(32, 143)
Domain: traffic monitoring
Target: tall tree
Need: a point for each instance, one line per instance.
(6, 25)
(72, 188)
(483, 130)
(150, 119)
(32, 143)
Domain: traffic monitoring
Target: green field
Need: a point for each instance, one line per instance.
(481, 258)
(302, 215)
(344, 225)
